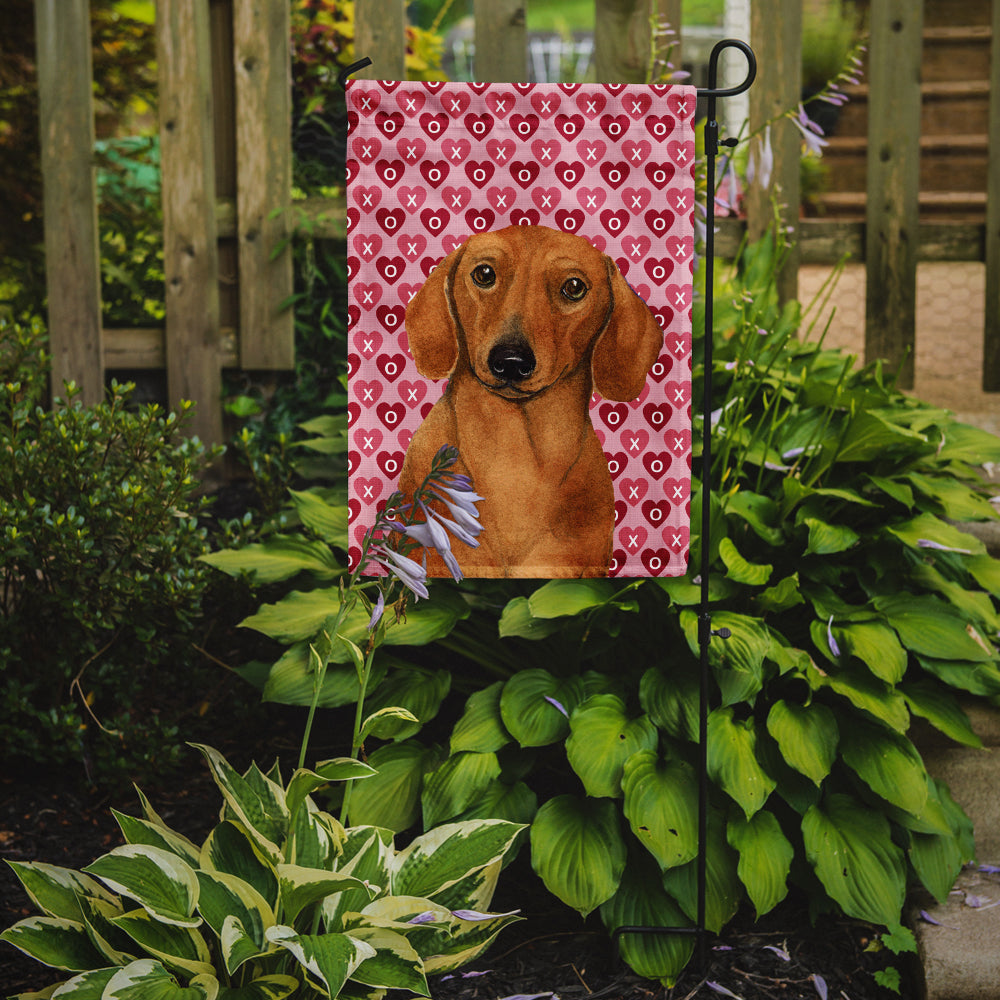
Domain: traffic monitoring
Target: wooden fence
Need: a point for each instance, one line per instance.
(226, 161)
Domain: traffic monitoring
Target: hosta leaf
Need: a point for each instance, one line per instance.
(275, 987)
(850, 848)
(159, 881)
(417, 690)
(388, 723)
(141, 831)
(870, 436)
(280, 557)
(866, 692)
(578, 851)
(395, 964)
(957, 501)
(985, 569)
(671, 699)
(227, 897)
(367, 853)
(535, 706)
(517, 620)
(481, 728)
(807, 736)
(765, 858)
(732, 760)
(783, 595)
(87, 986)
(738, 661)
(147, 979)
(456, 784)
(723, 889)
(559, 598)
(301, 887)
(941, 709)
(304, 782)
(441, 857)
(230, 849)
(739, 569)
(330, 959)
(937, 859)
(56, 891)
(876, 646)
(932, 628)
(465, 941)
(180, 948)
(516, 803)
(888, 763)
(54, 941)
(601, 739)
(976, 678)
(828, 539)
(928, 528)
(292, 681)
(661, 799)
(758, 511)
(327, 520)
(391, 798)
(641, 901)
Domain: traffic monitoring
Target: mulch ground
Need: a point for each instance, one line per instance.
(550, 953)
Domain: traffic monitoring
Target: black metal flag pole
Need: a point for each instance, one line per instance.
(705, 631)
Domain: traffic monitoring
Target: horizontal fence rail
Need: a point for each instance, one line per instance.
(225, 127)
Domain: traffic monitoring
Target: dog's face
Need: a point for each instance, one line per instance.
(524, 307)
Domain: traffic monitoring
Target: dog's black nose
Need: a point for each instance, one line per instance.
(511, 362)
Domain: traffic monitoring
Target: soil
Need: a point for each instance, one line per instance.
(550, 953)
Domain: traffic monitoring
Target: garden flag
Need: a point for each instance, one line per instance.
(520, 260)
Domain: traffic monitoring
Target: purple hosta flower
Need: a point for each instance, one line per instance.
(989, 869)
(820, 984)
(411, 573)
(719, 988)
(727, 200)
(475, 915)
(812, 134)
(377, 612)
(780, 952)
(834, 648)
(927, 543)
(427, 917)
(433, 528)
(557, 704)
(760, 165)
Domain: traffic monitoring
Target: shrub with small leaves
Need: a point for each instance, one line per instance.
(99, 574)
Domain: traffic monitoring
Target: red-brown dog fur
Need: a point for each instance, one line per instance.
(529, 448)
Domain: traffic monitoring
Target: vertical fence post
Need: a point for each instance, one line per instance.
(380, 34)
(262, 62)
(501, 41)
(190, 251)
(892, 214)
(621, 40)
(776, 33)
(991, 331)
(72, 256)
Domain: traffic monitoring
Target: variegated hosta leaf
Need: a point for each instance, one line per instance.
(602, 737)
(535, 706)
(56, 891)
(229, 848)
(177, 947)
(158, 880)
(456, 784)
(87, 986)
(481, 727)
(765, 858)
(661, 799)
(54, 941)
(441, 857)
(116, 947)
(328, 959)
(642, 902)
(275, 987)
(475, 891)
(807, 736)
(225, 897)
(141, 831)
(256, 801)
(723, 889)
(466, 941)
(301, 887)
(367, 854)
(578, 851)
(732, 760)
(147, 979)
(395, 964)
(315, 838)
(850, 847)
(304, 782)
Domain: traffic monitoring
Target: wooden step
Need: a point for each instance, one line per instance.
(956, 53)
(957, 206)
(947, 163)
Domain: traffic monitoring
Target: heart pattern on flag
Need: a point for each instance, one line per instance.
(431, 164)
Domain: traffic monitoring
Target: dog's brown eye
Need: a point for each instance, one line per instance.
(574, 289)
(484, 276)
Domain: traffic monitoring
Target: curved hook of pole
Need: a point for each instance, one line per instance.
(713, 69)
(355, 67)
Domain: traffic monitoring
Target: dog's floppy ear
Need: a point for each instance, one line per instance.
(629, 344)
(431, 325)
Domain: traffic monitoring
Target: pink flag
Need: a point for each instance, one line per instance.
(520, 260)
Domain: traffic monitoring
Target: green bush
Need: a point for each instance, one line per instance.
(101, 584)
(854, 601)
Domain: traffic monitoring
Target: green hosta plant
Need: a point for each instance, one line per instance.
(279, 900)
(855, 602)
